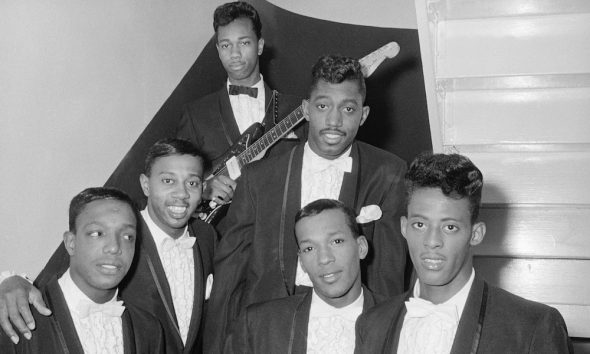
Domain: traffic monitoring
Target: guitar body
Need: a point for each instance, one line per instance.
(253, 133)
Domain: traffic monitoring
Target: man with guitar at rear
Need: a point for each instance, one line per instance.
(214, 122)
(256, 259)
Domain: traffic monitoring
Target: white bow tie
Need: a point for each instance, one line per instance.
(343, 164)
(182, 242)
(111, 309)
(420, 308)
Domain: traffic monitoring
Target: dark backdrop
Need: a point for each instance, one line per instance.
(398, 121)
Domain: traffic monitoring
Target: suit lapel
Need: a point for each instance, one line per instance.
(300, 325)
(350, 182)
(148, 246)
(128, 334)
(468, 324)
(62, 320)
(292, 205)
(199, 291)
(227, 118)
(395, 328)
(269, 109)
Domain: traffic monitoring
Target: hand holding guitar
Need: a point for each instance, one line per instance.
(219, 189)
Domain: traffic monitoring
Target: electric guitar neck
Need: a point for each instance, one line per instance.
(246, 151)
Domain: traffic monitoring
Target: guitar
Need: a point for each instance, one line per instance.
(253, 143)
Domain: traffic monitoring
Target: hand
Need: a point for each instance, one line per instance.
(16, 293)
(220, 189)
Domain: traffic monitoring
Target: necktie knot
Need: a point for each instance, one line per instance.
(420, 308)
(183, 242)
(86, 308)
(243, 90)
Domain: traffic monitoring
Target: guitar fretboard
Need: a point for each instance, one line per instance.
(268, 138)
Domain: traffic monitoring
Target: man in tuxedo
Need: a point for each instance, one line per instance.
(87, 318)
(256, 259)
(322, 319)
(451, 309)
(215, 122)
(172, 273)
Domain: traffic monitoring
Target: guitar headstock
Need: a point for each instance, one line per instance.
(371, 61)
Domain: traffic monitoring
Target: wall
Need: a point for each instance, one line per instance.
(79, 82)
(508, 84)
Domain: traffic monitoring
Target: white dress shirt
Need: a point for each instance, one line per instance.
(98, 333)
(433, 330)
(248, 110)
(331, 329)
(179, 266)
(320, 178)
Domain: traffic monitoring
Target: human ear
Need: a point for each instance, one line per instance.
(365, 114)
(70, 242)
(363, 246)
(305, 106)
(403, 225)
(260, 46)
(145, 185)
(478, 232)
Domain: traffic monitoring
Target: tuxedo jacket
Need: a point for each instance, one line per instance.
(493, 321)
(278, 326)
(210, 124)
(145, 286)
(256, 259)
(56, 334)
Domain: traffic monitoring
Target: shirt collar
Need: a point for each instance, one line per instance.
(321, 308)
(311, 158)
(259, 85)
(459, 299)
(72, 293)
(157, 233)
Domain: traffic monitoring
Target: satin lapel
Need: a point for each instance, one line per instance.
(199, 291)
(350, 183)
(62, 318)
(128, 334)
(148, 246)
(368, 300)
(289, 252)
(395, 329)
(227, 118)
(269, 112)
(468, 323)
(300, 325)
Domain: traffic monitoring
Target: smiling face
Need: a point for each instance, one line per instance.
(440, 235)
(335, 112)
(173, 189)
(102, 247)
(331, 256)
(238, 49)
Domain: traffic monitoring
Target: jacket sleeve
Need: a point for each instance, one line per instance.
(386, 273)
(56, 266)
(551, 335)
(236, 341)
(231, 259)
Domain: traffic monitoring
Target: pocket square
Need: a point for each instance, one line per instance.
(369, 213)
(208, 286)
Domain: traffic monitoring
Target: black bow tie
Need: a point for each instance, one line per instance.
(243, 90)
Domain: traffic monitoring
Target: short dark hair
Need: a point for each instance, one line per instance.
(455, 175)
(335, 69)
(168, 147)
(320, 205)
(92, 194)
(228, 12)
